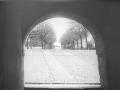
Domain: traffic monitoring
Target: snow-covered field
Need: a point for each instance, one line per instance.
(60, 66)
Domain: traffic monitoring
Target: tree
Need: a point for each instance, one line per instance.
(42, 31)
(86, 34)
(68, 39)
(50, 39)
(78, 30)
(91, 43)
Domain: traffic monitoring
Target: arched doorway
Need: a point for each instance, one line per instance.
(91, 28)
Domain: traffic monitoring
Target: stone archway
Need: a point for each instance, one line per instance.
(92, 29)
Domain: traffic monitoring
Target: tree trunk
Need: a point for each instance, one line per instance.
(51, 46)
(27, 44)
(73, 45)
(30, 44)
(42, 44)
(77, 43)
(65, 46)
(81, 42)
(86, 42)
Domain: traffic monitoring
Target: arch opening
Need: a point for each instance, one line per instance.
(62, 59)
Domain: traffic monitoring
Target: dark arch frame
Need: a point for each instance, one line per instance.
(92, 29)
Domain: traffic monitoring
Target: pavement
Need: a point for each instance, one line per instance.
(60, 66)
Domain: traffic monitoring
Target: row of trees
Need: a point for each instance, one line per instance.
(73, 34)
(42, 34)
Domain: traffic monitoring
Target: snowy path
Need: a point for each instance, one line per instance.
(61, 66)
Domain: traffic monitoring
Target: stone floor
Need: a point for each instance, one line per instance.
(60, 66)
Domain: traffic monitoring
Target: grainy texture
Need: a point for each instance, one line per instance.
(61, 66)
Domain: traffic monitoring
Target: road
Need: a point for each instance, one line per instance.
(60, 66)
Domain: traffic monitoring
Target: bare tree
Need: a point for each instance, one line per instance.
(85, 35)
(69, 39)
(42, 31)
(78, 30)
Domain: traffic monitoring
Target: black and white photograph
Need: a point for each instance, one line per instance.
(59, 44)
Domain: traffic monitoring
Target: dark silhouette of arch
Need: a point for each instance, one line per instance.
(94, 32)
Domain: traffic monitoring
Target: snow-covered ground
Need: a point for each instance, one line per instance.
(60, 66)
